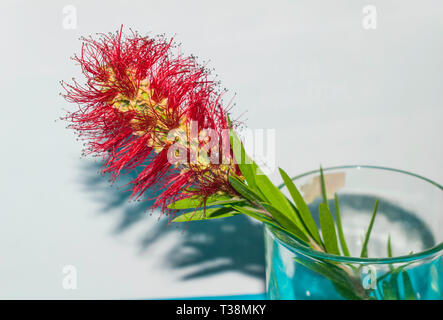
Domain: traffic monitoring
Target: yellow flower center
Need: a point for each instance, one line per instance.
(150, 114)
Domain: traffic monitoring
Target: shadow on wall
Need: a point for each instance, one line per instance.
(207, 247)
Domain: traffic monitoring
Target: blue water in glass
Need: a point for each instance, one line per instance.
(288, 279)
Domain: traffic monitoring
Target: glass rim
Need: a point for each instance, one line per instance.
(303, 249)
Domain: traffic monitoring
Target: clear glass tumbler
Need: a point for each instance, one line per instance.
(410, 214)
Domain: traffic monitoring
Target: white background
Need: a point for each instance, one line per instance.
(335, 93)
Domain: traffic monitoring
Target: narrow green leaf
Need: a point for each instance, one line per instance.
(302, 207)
(285, 222)
(393, 271)
(364, 249)
(214, 213)
(278, 200)
(259, 183)
(347, 293)
(390, 286)
(327, 227)
(254, 213)
(323, 188)
(225, 202)
(341, 234)
(260, 216)
(197, 201)
(407, 285)
(187, 203)
(394, 285)
(389, 292)
(389, 252)
(244, 190)
(389, 249)
(244, 162)
(336, 275)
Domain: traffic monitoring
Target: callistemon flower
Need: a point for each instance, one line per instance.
(144, 108)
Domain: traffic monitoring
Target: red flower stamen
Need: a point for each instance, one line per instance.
(137, 91)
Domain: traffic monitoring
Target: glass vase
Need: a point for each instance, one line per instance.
(409, 217)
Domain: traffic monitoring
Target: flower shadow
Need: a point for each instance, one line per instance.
(204, 248)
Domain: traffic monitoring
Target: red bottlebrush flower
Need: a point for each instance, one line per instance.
(137, 92)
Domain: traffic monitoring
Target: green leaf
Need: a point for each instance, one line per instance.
(323, 188)
(282, 219)
(336, 275)
(394, 284)
(390, 287)
(244, 190)
(389, 248)
(254, 213)
(244, 162)
(347, 293)
(197, 201)
(207, 214)
(226, 202)
(302, 207)
(285, 222)
(272, 193)
(327, 227)
(341, 235)
(258, 215)
(389, 292)
(407, 285)
(277, 199)
(259, 185)
(389, 252)
(364, 249)
(188, 203)
(394, 271)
